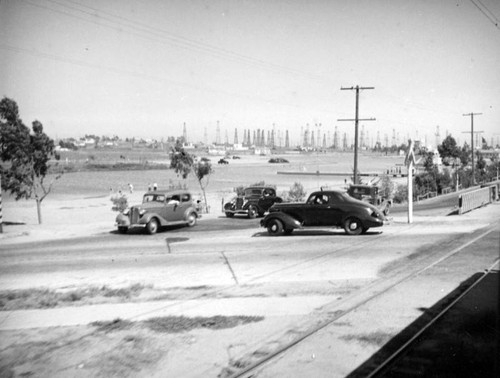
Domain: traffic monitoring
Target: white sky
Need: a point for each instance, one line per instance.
(144, 67)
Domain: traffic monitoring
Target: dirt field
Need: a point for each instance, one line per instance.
(284, 286)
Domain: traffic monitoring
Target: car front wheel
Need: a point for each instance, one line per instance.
(252, 212)
(353, 226)
(229, 215)
(122, 230)
(275, 227)
(191, 220)
(152, 226)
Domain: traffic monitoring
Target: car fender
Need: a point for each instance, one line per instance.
(122, 220)
(148, 216)
(191, 210)
(288, 220)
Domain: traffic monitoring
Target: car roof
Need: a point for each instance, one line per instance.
(259, 187)
(167, 192)
(328, 191)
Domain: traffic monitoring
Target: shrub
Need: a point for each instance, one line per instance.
(401, 194)
(295, 194)
(120, 202)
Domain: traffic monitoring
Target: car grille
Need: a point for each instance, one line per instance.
(134, 215)
(239, 203)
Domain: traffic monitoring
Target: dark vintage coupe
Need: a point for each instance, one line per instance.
(255, 200)
(160, 208)
(323, 209)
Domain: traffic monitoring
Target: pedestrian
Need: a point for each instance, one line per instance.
(131, 188)
(155, 186)
(149, 187)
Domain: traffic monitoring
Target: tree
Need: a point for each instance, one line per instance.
(25, 156)
(184, 163)
(448, 150)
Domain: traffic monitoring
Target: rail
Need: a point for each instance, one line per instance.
(475, 199)
(426, 196)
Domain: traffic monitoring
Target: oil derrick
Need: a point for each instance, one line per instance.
(235, 136)
(313, 143)
(386, 140)
(287, 140)
(324, 141)
(393, 143)
(269, 139)
(344, 142)
(306, 137)
(217, 134)
(254, 138)
(318, 136)
(336, 139)
(438, 137)
(184, 133)
(362, 138)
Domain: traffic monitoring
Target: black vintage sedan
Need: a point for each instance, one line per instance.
(323, 209)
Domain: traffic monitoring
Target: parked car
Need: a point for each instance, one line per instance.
(278, 160)
(160, 208)
(323, 208)
(255, 200)
(370, 194)
(222, 161)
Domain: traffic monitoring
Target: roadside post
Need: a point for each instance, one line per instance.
(1, 217)
(409, 162)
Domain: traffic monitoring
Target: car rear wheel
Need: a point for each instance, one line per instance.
(353, 226)
(252, 212)
(275, 227)
(122, 230)
(288, 231)
(152, 226)
(191, 220)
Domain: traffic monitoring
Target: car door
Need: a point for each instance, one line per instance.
(267, 199)
(173, 213)
(336, 209)
(316, 211)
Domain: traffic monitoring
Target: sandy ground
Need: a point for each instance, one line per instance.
(122, 352)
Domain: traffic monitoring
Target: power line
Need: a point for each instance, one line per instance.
(130, 73)
(486, 12)
(162, 36)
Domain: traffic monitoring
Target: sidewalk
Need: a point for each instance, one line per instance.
(83, 315)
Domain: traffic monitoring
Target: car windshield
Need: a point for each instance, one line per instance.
(153, 198)
(252, 192)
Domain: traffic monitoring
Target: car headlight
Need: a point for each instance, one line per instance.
(126, 211)
(142, 211)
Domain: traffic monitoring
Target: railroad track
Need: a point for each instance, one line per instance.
(408, 360)
(350, 303)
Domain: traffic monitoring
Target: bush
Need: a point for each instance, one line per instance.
(295, 194)
(120, 202)
(401, 194)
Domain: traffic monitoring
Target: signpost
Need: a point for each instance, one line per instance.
(409, 162)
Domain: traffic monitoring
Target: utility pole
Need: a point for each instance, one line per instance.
(356, 122)
(471, 114)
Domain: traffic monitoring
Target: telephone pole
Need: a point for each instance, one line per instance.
(471, 115)
(356, 122)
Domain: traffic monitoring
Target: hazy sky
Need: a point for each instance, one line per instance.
(143, 68)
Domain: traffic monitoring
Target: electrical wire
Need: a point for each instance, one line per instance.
(486, 12)
(158, 35)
